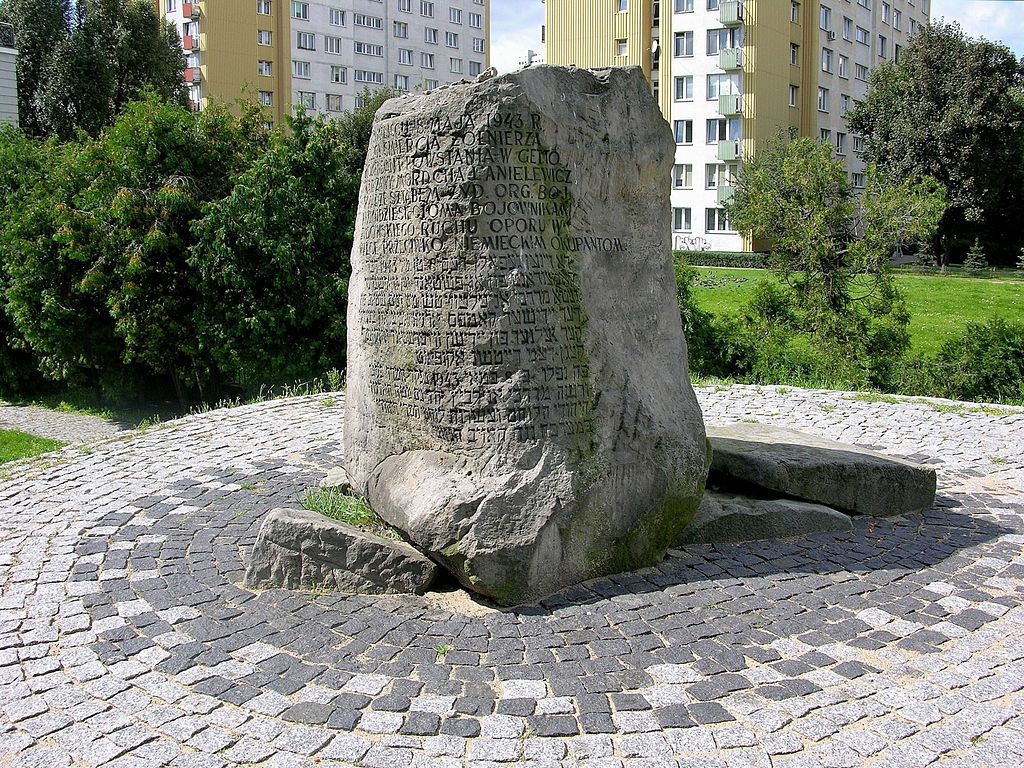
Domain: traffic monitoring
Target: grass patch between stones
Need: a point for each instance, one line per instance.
(349, 508)
(18, 445)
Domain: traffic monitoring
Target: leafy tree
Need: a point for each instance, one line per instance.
(952, 109)
(832, 249)
(81, 66)
(41, 27)
(100, 283)
(272, 257)
(357, 125)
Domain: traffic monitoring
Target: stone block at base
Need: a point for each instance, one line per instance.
(810, 468)
(726, 517)
(298, 549)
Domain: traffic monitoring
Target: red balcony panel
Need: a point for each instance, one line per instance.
(190, 10)
(186, 43)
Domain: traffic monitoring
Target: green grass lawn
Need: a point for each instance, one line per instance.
(18, 445)
(939, 306)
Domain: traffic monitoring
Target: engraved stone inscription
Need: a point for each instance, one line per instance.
(472, 308)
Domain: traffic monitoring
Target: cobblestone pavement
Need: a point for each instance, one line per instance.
(66, 427)
(125, 639)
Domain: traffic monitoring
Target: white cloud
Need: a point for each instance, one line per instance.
(1001, 20)
(515, 29)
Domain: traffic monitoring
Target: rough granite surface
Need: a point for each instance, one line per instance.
(813, 468)
(299, 549)
(518, 405)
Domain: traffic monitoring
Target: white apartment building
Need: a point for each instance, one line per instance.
(8, 76)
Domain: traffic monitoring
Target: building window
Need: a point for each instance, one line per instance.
(405, 6)
(430, 35)
(716, 220)
(368, 49)
(794, 12)
(171, 6)
(263, 7)
(826, 18)
(684, 131)
(723, 85)
(683, 44)
(263, 37)
(337, 17)
(426, 9)
(400, 29)
(682, 176)
(334, 102)
(333, 44)
(794, 95)
(682, 219)
(475, 68)
(840, 143)
(684, 88)
(455, 65)
(723, 129)
(476, 21)
(844, 67)
(405, 56)
(267, 98)
(478, 45)
(305, 41)
(264, 68)
(847, 28)
(430, 84)
(825, 136)
(826, 60)
(684, 6)
(623, 5)
(427, 60)
(455, 15)
(822, 99)
(401, 82)
(300, 69)
(365, 76)
(451, 39)
(338, 74)
(620, 47)
(300, 10)
(306, 99)
(861, 72)
(863, 36)
(883, 46)
(720, 175)
(364, 20)
(858, 181)
(794, 54)
(844, 105)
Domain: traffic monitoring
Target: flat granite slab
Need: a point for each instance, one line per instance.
(127, 639)
(816, 469)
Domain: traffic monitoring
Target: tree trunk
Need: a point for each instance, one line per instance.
(179, 390)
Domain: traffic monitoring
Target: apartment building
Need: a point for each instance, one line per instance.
(322, 55)
(8, 76)
(728, 74)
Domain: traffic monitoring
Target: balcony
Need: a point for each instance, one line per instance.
(728, 151)
(726, 194)
(730, 13)
(190, 10)
(730, 105)
(189, 43)
(193, 75)
(730, 59)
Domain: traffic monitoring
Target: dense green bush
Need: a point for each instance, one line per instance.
(984, 364)
(723, 259)
(195, 253)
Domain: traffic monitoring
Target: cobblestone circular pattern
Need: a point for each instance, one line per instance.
(126, 640)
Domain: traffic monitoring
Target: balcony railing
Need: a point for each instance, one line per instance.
(730, 13)
(726, 194)
(728, 150)
(730, 105)
(7, 36)
(730, 59)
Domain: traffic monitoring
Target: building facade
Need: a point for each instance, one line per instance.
(8, 76)
(323, 54)
(728, 74)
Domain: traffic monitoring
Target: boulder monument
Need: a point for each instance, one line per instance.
(518, 400)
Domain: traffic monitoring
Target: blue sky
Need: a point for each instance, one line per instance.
(515, 25)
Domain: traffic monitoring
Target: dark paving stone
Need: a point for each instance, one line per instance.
(308, 712)
(554, 725)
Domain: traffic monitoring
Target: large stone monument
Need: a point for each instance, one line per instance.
(518, 400)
